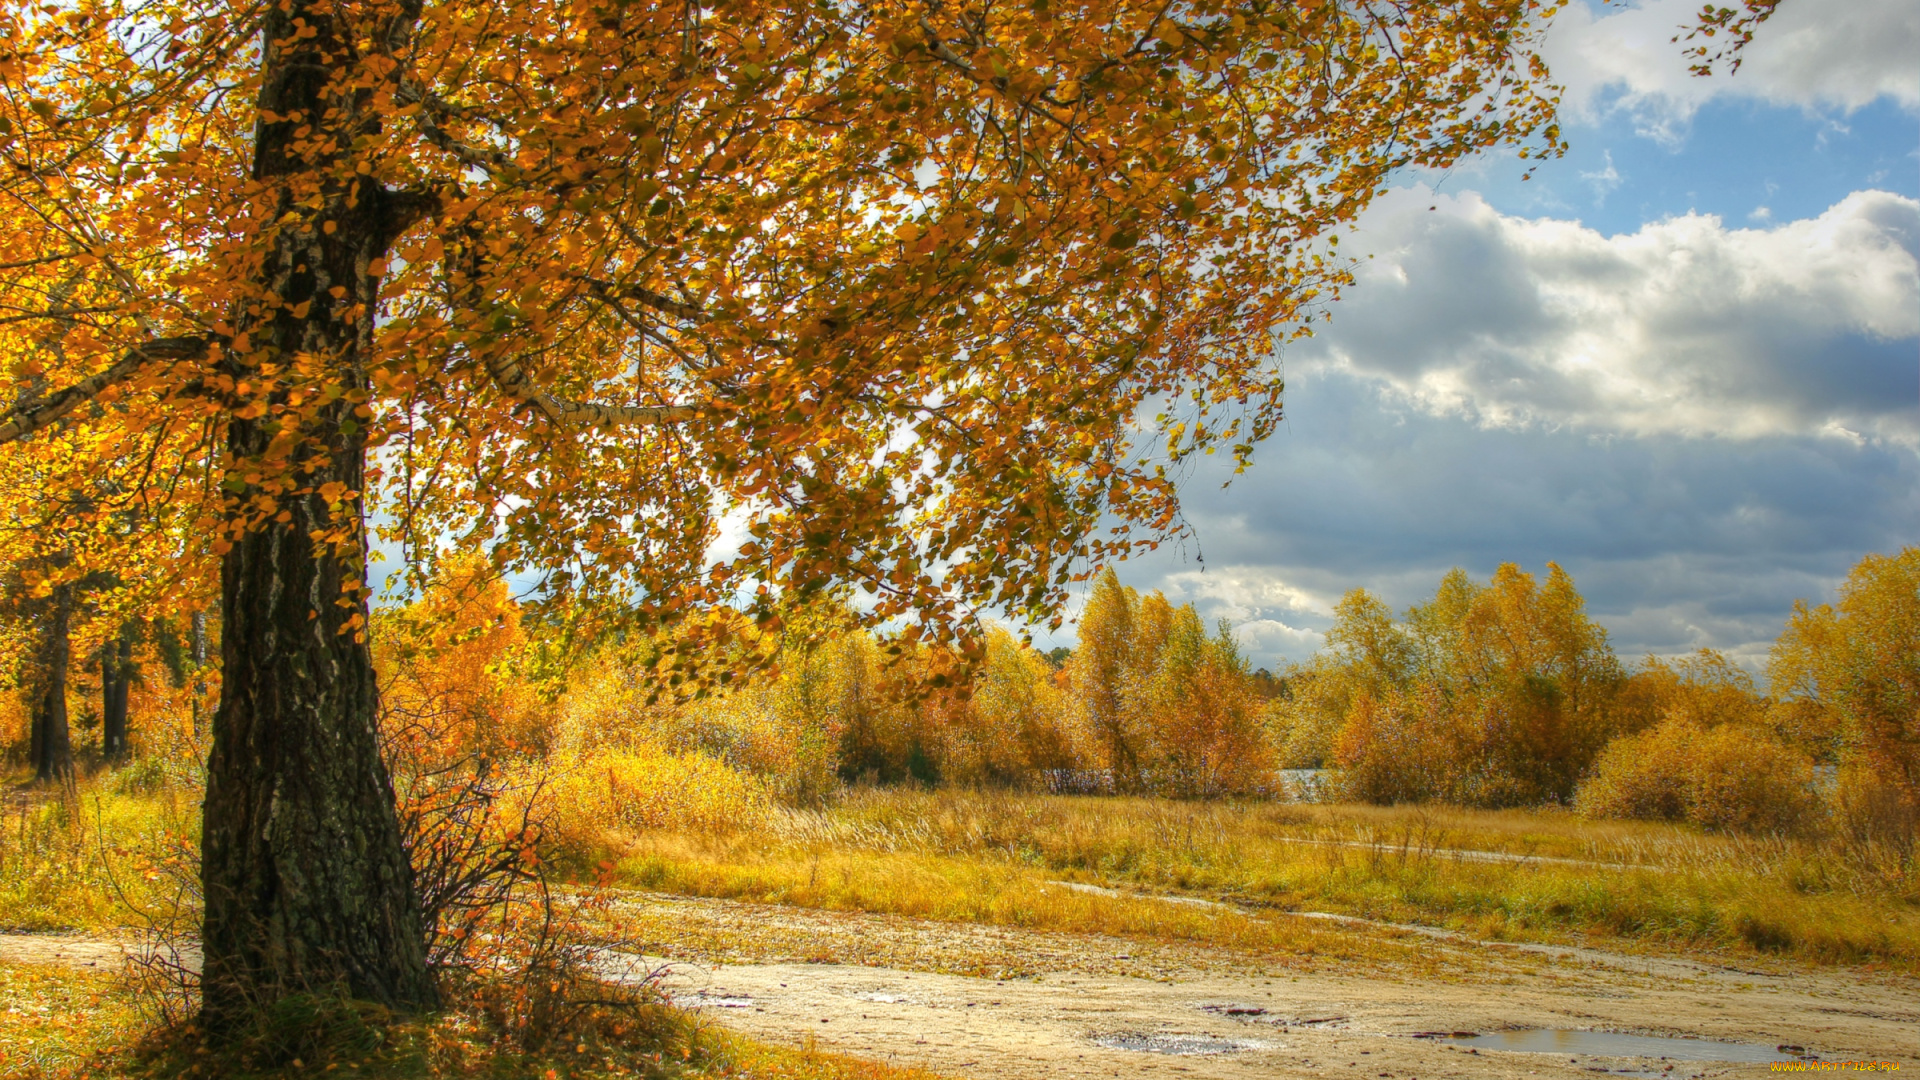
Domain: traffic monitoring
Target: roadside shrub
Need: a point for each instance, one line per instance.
(1853, 671)
(1875, 825)
(1391, 749)
(1746, 781)
(1728, 778)
(1640, 777)
(1305, 719)
(644, 787)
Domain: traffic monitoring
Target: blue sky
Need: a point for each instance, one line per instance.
(1683, 362)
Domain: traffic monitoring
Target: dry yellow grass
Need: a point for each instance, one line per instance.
(982, 890)
(94, 856)
(643, 787)
(1512, 875)
(65, 1024)
(992, 857)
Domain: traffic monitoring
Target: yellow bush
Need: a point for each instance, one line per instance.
(1729, 778)
(1876, 827)
(1744, 781)
(1305, 719)
(1640, 777)
(1854, 670)
(1396, 748)
(639, 788)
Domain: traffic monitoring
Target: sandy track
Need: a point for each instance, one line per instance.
(70, 949)
(1067, 1021)
(895, 989)
(899, 989)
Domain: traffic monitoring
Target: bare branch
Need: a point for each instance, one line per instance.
(406, 206)
(30, 416)
(660, 302)
(41, 260)
(640, 327)
(432, 111)
(508, 375)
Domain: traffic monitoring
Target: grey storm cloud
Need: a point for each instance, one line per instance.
(1702, 424)
(1683, 327)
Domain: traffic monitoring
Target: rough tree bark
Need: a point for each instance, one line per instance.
(307, 886)
(52, 743)
(198, 652)
(116, 674)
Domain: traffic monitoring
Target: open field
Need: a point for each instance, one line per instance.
(1088, 1005)
(992, 933)
(967, 1000)
(998, 858)
(1507, 875)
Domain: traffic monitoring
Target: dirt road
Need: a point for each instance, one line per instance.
(1104, 1007)
(1071, 1005)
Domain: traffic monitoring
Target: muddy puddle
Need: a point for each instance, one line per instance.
(1176, 1044)
(1614, 1044)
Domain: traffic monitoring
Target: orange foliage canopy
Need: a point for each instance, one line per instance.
(1167, 707)
(573, 282)
(1498, 694)
(1856, 668)
(891, 282)
(444, 667)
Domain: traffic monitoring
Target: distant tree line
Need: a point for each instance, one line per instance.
(1507, 694)
(1502, 693)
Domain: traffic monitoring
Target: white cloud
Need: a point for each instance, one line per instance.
(1266, 641)
(1676, 542)
(1686, 327)
(1605, 181)
(1243, 593)
(1812, 53)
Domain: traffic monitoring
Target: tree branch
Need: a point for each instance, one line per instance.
(432, 110)
(1738, 25)
(30, 416)
(660, 302)
(402, 207)
(640, 327)
(508, 375)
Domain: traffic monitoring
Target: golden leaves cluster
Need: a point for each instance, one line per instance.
(925, 298)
